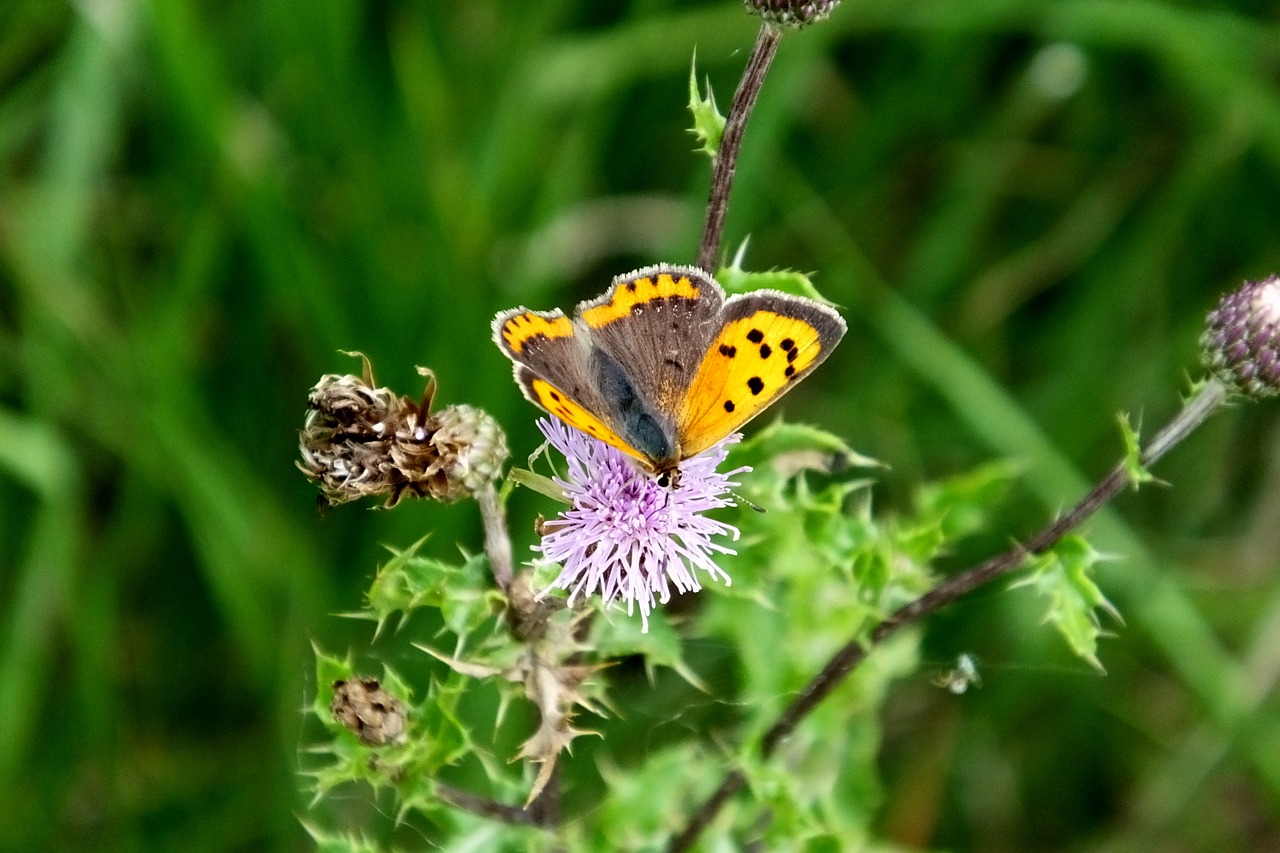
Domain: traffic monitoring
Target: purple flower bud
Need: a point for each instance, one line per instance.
(791, 13)
(1241, 344)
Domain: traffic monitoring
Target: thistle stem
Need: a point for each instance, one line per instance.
(497, 541)
(726, 158)
(1206, 401)
(485, 807)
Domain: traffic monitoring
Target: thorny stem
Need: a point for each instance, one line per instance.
(1206, 401)
(726, 159)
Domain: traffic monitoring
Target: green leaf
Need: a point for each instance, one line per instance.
(1063, 576)
(737, 280)
(1138, 473)
(638, 812)
(337, 842)
(328, 670)
(462, 593)
(539, 483)
(789, 448)
(961, 505)
(616, 635)
(708, 123)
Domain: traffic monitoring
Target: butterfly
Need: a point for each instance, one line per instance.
(663, 366)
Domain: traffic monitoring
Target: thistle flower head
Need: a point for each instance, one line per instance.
(359, 440)
(625, 535)
(1241, 344)
(791, 13)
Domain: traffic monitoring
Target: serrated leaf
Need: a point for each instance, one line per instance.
(462, 593)
(1063, 576)
(708, 123)
(337, 842)
(1137, 472)
(737, 280)
(960, 505)
(791, 447)
(615, 636)
(328, 670)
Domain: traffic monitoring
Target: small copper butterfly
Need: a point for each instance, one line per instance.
(663, 365)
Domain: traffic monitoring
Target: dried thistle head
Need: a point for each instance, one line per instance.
(359, 440)
(1241, 341)
(368, 711)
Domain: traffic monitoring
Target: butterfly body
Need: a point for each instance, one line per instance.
(663, 365)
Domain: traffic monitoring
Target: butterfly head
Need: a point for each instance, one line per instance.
(668, 478)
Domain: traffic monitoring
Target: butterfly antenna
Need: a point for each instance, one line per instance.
(740, 500)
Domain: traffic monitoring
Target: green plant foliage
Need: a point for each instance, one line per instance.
(436, 738)
(708, 123)
(1023, 209)
(340, 842)
(812, 565)
(961, 504)
(461, 592)
(1063, 576)
(737, 280)
(1138, 473)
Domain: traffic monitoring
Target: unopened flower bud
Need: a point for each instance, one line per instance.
(471, 449)
(1241, 344)
(791, 13)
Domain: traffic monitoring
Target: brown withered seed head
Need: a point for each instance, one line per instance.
(368, 711)
(359, 441)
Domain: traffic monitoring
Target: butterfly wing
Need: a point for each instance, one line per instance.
(557, 369)
(766, 343)
(656, 323)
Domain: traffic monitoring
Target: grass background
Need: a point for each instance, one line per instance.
(1026, 208)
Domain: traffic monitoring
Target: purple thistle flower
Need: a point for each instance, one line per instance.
(627, 536)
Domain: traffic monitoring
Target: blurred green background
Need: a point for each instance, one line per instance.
(1025, 207)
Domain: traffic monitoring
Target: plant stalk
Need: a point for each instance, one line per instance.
(726, 159)
(1206, 401)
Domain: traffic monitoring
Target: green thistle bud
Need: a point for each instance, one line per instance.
(368, 711)
(471, 448)
(791, 13)
(1241, 344)
(359, 440)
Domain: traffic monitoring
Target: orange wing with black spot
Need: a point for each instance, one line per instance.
(768, 341)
